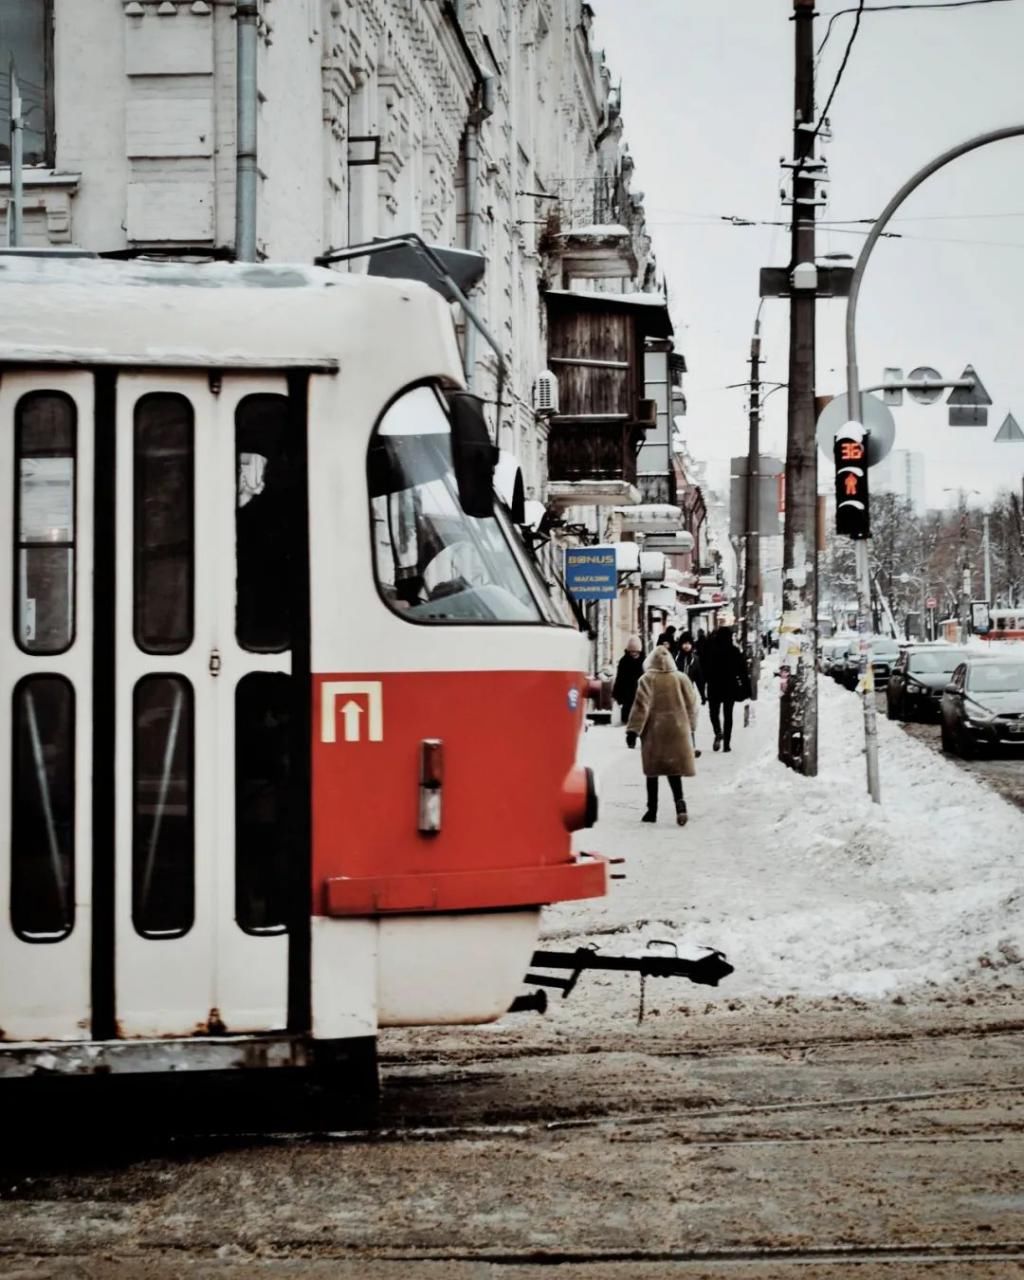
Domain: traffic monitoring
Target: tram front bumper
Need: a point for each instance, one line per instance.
(490, 889)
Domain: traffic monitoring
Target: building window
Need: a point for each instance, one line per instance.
(164, 543)
(163, 823)
(44, 515)
(26, 39)
(43, 809)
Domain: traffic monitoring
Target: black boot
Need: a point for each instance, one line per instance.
(717, 743)
(650, 816)
(681, 814)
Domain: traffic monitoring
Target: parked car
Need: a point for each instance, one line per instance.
(830, 650)
(983, 705)
(883, 656)
(919, 680)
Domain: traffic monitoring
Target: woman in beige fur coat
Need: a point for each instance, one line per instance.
(663, 717)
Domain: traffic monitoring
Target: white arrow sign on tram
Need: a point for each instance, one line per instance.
(331, 694)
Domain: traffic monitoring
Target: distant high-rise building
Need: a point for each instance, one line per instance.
(902, 473)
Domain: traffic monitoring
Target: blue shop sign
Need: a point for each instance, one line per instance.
(590, 573)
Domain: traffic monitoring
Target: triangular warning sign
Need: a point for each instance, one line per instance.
(1009, 431)
(969, 395)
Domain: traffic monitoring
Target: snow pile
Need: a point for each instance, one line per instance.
(806, 885)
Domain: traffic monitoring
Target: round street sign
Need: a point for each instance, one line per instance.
(924, 374)
(877, 419)
(930, 603)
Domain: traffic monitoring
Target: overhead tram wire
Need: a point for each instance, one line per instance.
(823, 113)
(893, 8)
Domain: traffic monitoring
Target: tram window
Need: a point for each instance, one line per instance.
(164, 537)
(262, 775)
(44, 506)
(262, 524)
(434, 563)
(43, 809)
(163, 819)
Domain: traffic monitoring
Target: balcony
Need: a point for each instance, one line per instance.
(596, 350)
(592, 461)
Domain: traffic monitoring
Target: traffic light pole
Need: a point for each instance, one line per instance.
(853, 393)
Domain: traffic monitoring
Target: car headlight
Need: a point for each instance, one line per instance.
(977, 714)
(915, 686)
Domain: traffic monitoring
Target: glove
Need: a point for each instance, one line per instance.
(630, 740)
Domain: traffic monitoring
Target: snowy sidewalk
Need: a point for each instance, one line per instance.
(808, 887)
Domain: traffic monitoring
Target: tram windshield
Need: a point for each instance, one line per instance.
(434, 563)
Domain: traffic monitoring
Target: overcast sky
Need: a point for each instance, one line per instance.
(707, 104)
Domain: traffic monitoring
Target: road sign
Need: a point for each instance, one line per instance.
(767, 506)
(930, 603)
(877, 419)
(833, 282)
(925, 395)
(966, 404)
(969, 395)
(968, 415)
(1009, 432)
(892, 396)
(590, 573)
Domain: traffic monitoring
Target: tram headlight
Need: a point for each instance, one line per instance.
(579, 798)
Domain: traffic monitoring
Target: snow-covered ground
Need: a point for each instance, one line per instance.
(809, 888)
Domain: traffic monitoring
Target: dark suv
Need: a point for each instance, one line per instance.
(984, 705)
(919, 680)
(882, 652)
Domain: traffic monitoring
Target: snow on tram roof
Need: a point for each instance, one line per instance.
(92, 311)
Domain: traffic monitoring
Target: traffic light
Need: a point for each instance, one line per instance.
(853, 513)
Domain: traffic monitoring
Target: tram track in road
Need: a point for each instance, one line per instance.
(470, 1055)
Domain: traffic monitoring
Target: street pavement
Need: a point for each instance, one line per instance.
(847, 1103)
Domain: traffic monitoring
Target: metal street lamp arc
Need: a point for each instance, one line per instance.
(853, 399)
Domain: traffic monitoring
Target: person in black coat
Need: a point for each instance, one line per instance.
(689, 664)
(726, 683)
(627, 676)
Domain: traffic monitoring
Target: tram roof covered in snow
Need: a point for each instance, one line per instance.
(86, 311)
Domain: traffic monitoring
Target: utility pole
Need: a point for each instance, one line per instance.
(16, 204)
(798, 713)
(752, 570)
(988, 558)
(965, 572)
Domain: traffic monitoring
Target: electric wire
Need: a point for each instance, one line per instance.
(823, 113)
(891, 8)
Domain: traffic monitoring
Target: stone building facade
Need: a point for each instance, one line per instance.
(492, 125)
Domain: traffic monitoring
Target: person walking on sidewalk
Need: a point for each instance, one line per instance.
(726, 682)
(663, 717)
(627, 676)
(689, 664)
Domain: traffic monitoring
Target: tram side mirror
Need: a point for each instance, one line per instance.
(508, 481)
(473, 456)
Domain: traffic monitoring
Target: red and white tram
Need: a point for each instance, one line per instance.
(291, 746)
(1007, 622)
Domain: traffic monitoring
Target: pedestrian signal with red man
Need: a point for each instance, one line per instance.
(853, 514)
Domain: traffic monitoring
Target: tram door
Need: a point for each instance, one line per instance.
(203, 589)
(149, 806)
(46, 561)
